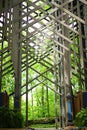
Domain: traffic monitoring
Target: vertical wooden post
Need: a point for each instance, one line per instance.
(56, 88)
(16, 56)
(85, 29)
(66, 61)
(27, 73)
(1, 55)
(81, 66)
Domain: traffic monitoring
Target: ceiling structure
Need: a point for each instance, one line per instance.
(52, 34)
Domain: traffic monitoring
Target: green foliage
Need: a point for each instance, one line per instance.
(19, 120)
(11, 102)
(8, 83)
(43, 125)
(81, 118)
(10, 118)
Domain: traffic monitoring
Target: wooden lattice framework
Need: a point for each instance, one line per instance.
(37, 31)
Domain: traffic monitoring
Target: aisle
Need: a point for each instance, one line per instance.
(43, 129)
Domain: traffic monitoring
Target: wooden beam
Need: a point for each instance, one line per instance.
(64, 24)
(83, 1)
(69, 13)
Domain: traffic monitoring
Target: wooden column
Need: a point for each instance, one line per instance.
(16, 56)
(56, 88)
(66, 61)
(85, 29)
(27, 80)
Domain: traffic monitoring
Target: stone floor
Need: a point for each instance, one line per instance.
(45, 129)
(66, 128)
